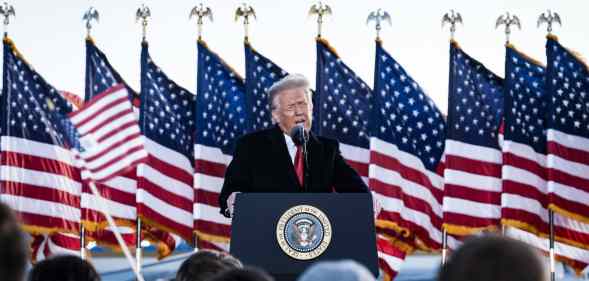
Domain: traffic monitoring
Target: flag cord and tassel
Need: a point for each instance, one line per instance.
(111, 223)
(552, 257)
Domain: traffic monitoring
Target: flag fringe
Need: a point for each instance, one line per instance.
(102, 225)
(326, 44)
(466, 230)
(204, 44)
(211, 237)
(40, 230)
(534, 230)
(405, 232)
(528, 58)
(573, 53)
(153, 223)
(568, 214)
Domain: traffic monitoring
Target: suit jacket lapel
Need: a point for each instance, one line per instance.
(281, 154)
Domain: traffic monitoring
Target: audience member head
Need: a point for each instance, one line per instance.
(13, 247)
(242, 274)
(346, 270)
(204, 264)
(63, 268)
(494, 258)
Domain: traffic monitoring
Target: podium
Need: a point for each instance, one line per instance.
(284, 233)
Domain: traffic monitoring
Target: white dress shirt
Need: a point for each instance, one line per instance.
(291, 146)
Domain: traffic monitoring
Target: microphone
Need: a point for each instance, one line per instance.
(299, 135)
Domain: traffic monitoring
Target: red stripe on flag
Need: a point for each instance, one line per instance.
(210, 168)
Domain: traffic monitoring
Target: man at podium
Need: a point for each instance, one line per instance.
(287, 157)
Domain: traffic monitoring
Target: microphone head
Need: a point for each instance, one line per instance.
(298, 134)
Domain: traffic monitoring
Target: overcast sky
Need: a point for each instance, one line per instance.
(51, 34)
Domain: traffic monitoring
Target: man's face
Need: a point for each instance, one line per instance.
(292, 107)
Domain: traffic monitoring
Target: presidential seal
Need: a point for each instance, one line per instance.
(303, 232)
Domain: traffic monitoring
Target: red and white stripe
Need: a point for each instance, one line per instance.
(165, 193)
(46, 246)
(525, 200)
(118, 194)
(357, 157)
(576, 257)
(472, 187)
(110, 134)
(410, 194)
(568, 174)
(212, 228)
(390, 259)
(40, 182)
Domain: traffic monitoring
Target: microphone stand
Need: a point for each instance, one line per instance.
(306, 169)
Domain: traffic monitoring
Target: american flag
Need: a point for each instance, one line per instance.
(390, 258)
(406, 150)
(40, 181)
(260, 74)
(119, 192)
(567, 79)
(524, 199)
(472, 178)
(44, 246)
(221, 117)
(342, 104)
(109, 133)
(575, 257)
(165, 188)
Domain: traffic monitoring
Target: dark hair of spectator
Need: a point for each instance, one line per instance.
(243, 274)
(13, 247)
(63, 268)
(205, 264)
(494, 258)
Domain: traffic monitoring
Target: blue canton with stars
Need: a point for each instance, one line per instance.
(100, 75)
(342, 101)
(525, 101)
(403, 114)
(568, 90)
(221, 110)
(167, 110)
(475, 101)
(260, 74)
(32, 109)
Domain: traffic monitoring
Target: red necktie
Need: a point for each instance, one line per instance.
(299, 165)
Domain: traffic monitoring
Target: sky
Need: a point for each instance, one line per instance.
(50, 34)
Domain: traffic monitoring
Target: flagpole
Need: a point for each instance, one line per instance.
(552, 256)
(549, 18)
(452, 18)
(82, 242)
(444, 246)
(104, 209)
(138, 249)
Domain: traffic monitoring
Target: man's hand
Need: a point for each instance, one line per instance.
(376, 205)
(231, 203)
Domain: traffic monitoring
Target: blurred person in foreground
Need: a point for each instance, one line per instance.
(345, 270)
(13, 247)
(64, 268)
(494, 258)
(243, 274)
(204, 264)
